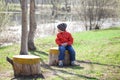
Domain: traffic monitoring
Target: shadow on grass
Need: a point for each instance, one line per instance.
(40, 76)
(65, 70)
(38, 53)
(56, 72)
(78, 75)
(88, 62)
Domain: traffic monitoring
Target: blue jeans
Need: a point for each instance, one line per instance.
(62, 52)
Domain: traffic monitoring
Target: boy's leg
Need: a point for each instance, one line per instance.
(72, 53)
(61, 55)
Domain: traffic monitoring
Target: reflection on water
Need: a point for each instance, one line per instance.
(46, 26)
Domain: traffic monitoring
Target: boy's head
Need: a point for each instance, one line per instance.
(62, 26)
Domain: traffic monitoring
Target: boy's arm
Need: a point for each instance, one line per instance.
(58, 42)
(70, 40)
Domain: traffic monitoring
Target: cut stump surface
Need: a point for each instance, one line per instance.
(26, 65)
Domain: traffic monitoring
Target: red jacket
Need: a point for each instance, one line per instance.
(64, 37)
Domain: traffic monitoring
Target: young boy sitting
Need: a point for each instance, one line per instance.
(64, 40)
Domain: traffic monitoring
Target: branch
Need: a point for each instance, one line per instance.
(9, 60)
(20, 1)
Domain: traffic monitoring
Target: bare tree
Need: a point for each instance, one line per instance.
(24, 37)
(55, 8)
(94, 12)
(67, 6)
(4, 16)
(32, 28)
(118, 8)
(59, 6)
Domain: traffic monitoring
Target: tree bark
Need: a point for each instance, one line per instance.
(24, 37)
(31, 35)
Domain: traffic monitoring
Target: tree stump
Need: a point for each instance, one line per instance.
(53, 57)
(26, 65)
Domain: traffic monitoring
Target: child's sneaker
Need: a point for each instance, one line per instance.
(73, 63)
(60, 64)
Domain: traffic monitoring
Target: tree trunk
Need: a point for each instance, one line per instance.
(24, 37)
(90, 26)
(31, 35)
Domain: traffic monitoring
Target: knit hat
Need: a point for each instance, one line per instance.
(62, 26)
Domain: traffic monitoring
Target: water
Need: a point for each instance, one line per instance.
(46, 26)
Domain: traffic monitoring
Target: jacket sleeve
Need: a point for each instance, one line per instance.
(70, 40)
(57, 40)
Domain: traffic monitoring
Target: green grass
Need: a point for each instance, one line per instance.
(96, 45)
(101, 48)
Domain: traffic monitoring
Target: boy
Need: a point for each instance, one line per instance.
(64, 41)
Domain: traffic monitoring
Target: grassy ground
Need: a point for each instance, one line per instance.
(97, 57)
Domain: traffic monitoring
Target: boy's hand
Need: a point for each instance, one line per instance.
(64, 44)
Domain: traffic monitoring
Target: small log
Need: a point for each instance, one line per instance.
(53, 57)
(25, 65)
